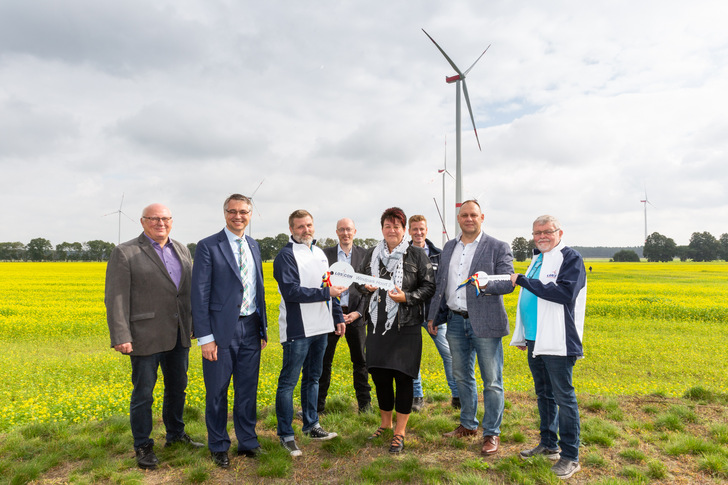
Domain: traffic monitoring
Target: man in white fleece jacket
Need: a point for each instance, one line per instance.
(550, 325)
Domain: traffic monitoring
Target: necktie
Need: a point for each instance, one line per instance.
(243, 264)
(536, 267)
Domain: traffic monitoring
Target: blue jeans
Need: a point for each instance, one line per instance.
(300, 357)
(144, 368)
(444, 349)
(556, 399)
(464, 347)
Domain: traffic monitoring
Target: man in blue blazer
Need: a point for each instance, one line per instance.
(228, 314)
(476, 321)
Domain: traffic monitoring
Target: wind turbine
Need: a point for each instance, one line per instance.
(645, 202)
(444, 172)
(457, 79)
(250, 225)
(120, 212)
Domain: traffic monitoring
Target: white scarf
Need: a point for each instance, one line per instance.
(393, 262)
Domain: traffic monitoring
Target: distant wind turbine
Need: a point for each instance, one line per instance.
(119, 212)
(250, 225)
(444, 172)
(457, 79)
(646, 201)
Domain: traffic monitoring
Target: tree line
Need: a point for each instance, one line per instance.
(703, 246)
(41, 249)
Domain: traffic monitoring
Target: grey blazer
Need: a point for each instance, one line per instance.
(486, 312)
(356, 302)
(143, 305)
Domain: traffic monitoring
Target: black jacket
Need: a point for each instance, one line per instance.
(355, 298)
(418, 284)
(435, 260)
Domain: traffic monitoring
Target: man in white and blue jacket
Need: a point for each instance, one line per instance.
(309, 311)
(550, 325)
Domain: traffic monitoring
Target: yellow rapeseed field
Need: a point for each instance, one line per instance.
(651, 328)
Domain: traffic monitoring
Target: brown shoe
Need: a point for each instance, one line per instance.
(490, 445)
(460, 432)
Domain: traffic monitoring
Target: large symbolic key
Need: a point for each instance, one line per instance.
(342, 274)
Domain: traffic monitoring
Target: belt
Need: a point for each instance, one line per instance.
(462, 314)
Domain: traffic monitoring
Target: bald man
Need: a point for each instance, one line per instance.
(147, 299)
(356, 329)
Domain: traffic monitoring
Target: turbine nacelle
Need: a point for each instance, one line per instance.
(452, 79)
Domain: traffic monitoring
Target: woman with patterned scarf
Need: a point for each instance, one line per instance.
(394, 318)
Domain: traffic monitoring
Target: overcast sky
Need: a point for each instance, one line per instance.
(341, 108)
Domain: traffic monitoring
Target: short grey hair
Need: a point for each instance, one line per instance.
(546, 219)
(239, 197)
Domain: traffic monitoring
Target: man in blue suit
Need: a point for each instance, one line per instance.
(228, 314)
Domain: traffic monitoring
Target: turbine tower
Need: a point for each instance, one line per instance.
(457, 79)
(646, 201)
(444, 172)
(120, 212)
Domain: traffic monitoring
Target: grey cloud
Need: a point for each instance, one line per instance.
(165, 130)
(119, 37)
(28, 130)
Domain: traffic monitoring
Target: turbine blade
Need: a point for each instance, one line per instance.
(476, 61)
(110, 213)
(470, 110)
(122, 201)
(443, 53)
(256, 189)
(441, 220)
(127, 216)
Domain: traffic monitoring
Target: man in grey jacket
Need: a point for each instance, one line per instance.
(147, 298)
(476, 321)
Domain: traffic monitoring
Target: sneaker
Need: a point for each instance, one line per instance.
(417, 404)
(318, 433)
(565, 468)
(291, 447)
(552, 455)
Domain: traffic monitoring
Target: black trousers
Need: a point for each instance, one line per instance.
(356, 338)
(385, 381)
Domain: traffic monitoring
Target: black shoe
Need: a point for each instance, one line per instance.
(145, 457)
(455, 402)
(184, 439)
(220, 458)
(417, 404)
(251, 453)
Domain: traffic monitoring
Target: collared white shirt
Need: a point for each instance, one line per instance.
(341, 256)
(249, 284)
(459, 271)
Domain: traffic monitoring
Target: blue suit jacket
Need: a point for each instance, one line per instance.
(487, 313)
(217, 289)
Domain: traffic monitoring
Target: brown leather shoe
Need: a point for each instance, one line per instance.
(490, 445)
(460, 432)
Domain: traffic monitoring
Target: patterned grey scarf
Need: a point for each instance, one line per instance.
(393, 262)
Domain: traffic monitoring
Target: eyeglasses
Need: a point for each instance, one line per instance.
(155, 220)
(233, 212)
(345, 229)
(545, 233)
